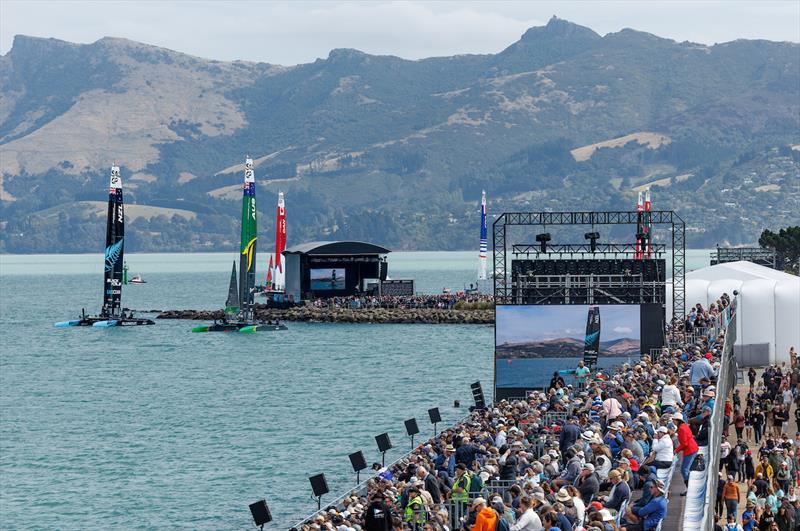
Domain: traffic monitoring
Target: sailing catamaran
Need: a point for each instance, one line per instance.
(591, 343)
(112, 312)
(239, 314)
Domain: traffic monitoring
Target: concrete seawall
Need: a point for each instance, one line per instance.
(344, 315)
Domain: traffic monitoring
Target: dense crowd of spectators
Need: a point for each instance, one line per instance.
(589, 456)
(443, 301)
(760, 452)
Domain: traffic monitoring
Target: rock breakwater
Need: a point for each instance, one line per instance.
(346, 315)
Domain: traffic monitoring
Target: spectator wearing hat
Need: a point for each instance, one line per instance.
(446, 465)
(687, 445)
(620, 491)
(646, 477)
(378, 516)
(648, 517)
(632, 444)
(749, 517)
(588, 483)
(486, 519)
(415, 514)
(613, 438)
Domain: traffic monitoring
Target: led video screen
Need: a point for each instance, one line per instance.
(532, 342)
(327, 279)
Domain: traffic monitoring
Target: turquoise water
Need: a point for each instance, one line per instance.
(154, 426)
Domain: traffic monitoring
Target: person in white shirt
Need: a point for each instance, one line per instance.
(500, 439)
(671, 395)
(661, 454)
(528, 520)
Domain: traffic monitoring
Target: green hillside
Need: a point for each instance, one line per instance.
(396, 151)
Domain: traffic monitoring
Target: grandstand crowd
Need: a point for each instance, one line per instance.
(595, 456)
(444, 301)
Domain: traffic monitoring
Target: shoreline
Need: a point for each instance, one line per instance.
(346, 315)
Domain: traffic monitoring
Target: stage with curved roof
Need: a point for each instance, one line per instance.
(337, 248)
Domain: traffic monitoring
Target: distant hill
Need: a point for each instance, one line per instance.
(566, 347)
(393, 151)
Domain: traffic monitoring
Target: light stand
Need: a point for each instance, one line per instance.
(319, 486)
(359, 464)
(412, 429)
(384, 445)
(435, 417)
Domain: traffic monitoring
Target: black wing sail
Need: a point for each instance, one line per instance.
(232, 303)
(115, 241)
(591, 346)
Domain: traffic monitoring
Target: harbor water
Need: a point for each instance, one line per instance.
(155, 427)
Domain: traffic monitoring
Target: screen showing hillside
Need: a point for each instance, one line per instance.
(327, 279)
(532, 342)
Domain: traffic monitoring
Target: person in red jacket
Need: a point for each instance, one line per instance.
(687, 445)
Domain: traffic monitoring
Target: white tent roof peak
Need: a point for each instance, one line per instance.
(741, 270)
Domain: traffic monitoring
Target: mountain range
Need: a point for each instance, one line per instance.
(566, 347)
(395, 151)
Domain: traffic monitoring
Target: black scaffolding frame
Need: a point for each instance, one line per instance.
(503, 290)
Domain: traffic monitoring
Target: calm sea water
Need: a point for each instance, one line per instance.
(153, 427)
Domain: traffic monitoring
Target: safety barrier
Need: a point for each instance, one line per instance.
(666, 478)
(703, 484)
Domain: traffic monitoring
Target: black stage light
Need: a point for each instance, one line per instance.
(543, 239)
(318, 484)
(477, 394)
(320, 487)
(412, 429)
(384, 445)
(260, 512)
(358, 461)
(359, 464)
(592, 237)
(436, 418)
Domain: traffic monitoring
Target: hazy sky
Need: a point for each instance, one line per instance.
(517, 324)
(296, 32)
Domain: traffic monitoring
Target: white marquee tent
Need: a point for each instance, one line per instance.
(768, 307)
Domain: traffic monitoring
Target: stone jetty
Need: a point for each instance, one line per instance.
(346, 315)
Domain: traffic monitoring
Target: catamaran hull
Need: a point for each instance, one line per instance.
(243, 328)
(102, 322)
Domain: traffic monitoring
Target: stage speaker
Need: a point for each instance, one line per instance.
(411, 427)
(384, 444)
(358, 461)
(435, 416)
(319, 485)
(477, 394)
(260, 512)
(384, 270)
